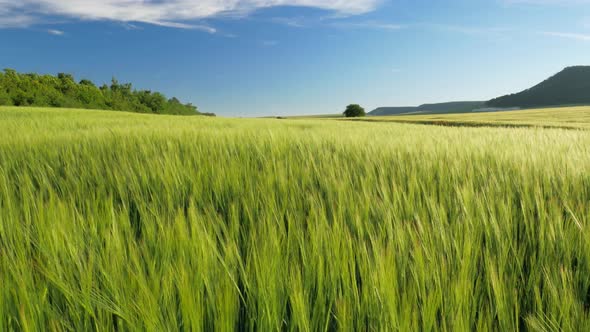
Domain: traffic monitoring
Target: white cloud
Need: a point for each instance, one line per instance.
(469, 30)
(55, 32)
(294, 22)
(15, 20)
(368, 25)
(335, 22)
(576, 36)
(171, 13)
(547, 2)
(11, 15)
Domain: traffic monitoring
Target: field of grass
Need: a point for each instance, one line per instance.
(126, 222)
(312, 117)
(577, 117)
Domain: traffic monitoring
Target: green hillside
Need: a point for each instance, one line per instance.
(571, 86)
(568, 87)
(115, 221)
(451, 107)
(64, 91)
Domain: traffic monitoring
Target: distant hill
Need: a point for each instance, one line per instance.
(451, 107)
(570, 86)
(63, 90)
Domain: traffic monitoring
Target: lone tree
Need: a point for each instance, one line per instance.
(354, 111)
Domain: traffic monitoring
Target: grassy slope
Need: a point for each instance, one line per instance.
(438, 108)
(562, 117)
(320, 116)
(570, 86)
(136, 222)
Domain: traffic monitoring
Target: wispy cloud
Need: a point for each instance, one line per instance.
(334, 22)
(12, 20)
(130, 26)
(169, 13)
(55, 32)
(185, 26)
(469, 30)
(576, 36)
(546, 2)
(295, 22)
(367, 25)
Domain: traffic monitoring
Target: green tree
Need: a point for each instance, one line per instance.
(354, 111)
(154, 101)
(87, 83)
(63, 91)
(5, 98)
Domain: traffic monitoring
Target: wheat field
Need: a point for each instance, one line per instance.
(572, 117)
(126, 222)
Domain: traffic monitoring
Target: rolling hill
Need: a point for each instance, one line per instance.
(450, 107)
(570, 86)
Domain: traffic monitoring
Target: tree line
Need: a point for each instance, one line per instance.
(18, 89)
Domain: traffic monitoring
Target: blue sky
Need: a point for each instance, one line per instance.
(279, 57)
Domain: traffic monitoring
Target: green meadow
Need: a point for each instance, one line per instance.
(115, 221)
